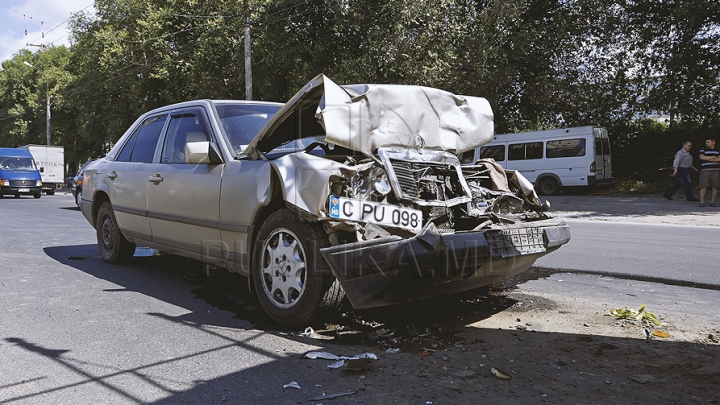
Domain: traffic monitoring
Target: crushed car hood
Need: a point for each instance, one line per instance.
(364, 117)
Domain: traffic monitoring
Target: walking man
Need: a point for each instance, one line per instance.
(681, 171)
(710, 171)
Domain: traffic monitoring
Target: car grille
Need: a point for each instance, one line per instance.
(22, 182)
(405, 172)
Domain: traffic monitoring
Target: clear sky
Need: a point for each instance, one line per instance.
(38, 17)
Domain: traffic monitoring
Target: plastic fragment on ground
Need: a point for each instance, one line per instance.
(661, 333)
(292, 384)
(499, 374)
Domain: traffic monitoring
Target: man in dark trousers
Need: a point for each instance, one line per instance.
(681, 171)
(710, 171)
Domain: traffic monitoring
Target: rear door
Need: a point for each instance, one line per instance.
(127, 177)
(603, 168)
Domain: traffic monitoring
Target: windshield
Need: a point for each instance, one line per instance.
(242, 122)
(17, 163)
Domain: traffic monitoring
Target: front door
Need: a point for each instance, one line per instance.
(184, 199)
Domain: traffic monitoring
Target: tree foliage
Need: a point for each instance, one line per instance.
(541, 63)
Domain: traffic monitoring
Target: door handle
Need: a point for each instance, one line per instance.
(112, 175)
(155, 178)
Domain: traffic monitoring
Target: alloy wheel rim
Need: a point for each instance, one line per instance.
(284, 269)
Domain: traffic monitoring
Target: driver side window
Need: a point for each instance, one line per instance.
(184, 127)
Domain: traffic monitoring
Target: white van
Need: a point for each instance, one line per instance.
(552, 159)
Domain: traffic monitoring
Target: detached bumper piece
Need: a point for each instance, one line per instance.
(393, 270)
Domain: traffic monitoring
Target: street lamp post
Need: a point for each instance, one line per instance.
(47, 99)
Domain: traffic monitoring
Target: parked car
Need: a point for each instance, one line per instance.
(77, 183)
(349, 191)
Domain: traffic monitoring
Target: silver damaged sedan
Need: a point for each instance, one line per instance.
(343, 192)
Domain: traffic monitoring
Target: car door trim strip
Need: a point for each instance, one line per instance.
(223, 226)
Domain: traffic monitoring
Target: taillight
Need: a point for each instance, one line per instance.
(592, 167)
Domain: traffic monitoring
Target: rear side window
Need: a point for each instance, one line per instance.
(141, 145)
(524, 151)
(496, 152)
(565, 148)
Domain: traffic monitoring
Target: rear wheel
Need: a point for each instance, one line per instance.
(291, 278)
(36, 195)
(548, 186)
(114, 248)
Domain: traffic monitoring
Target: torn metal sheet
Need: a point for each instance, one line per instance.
(368, 116)
(305, 178)
(364, 117)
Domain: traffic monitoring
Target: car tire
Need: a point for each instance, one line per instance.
(50, 192)
(113, 246)
(78, 197)
(37, 195)
(291, 278)
(17, 195)
(548, 186)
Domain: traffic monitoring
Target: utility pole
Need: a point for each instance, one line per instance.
(248, 63)
(47, 100)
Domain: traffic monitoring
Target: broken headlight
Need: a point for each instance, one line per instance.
(373, 182)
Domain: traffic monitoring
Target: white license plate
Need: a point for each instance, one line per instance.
(23, 190)
(377, 213)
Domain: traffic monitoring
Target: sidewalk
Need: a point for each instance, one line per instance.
(633, 208)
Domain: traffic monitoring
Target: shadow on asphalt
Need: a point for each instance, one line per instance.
(552, 367)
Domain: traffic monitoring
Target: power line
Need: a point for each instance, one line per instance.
(56, 27)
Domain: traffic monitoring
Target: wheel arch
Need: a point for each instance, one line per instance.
(276, 202)
(549, 175)
(99, 199)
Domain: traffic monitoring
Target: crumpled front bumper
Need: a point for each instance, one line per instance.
(394, 270)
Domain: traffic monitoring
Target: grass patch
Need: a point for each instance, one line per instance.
(634, 186)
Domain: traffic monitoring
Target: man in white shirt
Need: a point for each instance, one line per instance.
(681, 171)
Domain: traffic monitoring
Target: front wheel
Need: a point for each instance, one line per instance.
(291, 278)
(36, 195)
(114, 248)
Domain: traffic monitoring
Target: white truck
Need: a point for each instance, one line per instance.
(552, 159)
(50, 161)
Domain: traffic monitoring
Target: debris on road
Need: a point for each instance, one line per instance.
(292, 384)
(332, 396)
(354, 363)
(661, 333)
(499, 374)
(644, 378)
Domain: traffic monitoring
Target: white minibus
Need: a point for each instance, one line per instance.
(552, 159)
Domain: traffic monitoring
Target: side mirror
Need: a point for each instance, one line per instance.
(42, 170)
(202, 153)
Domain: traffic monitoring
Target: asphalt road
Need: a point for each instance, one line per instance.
(673, 253)
(77, 330)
